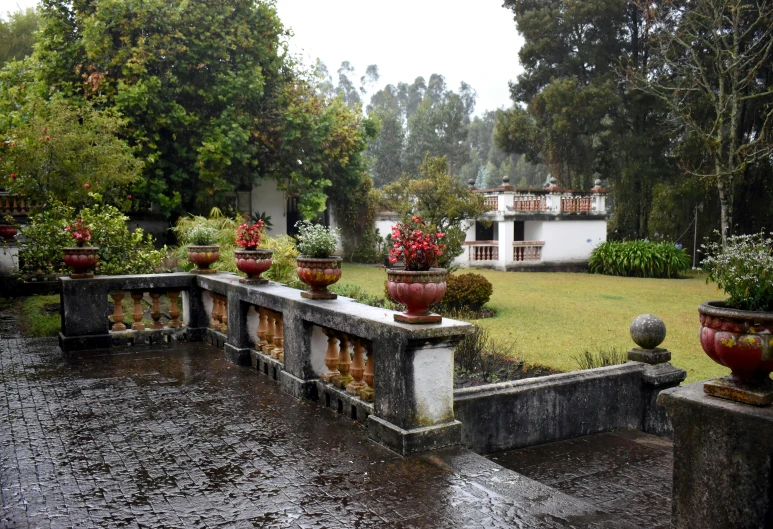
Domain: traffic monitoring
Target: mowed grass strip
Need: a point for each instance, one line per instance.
(554, 317)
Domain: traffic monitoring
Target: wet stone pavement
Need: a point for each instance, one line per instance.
(628, 473)
(180, 438)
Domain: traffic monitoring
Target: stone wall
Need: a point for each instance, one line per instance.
(512, 415)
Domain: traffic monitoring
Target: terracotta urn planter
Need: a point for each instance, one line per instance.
(253, 263)
(742, 341)
(202, 257)
(82, 260)
(7, 232)
(417, 290)
(319, 273)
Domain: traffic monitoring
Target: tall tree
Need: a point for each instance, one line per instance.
(713, 73)
(213, 101)
(18, 34)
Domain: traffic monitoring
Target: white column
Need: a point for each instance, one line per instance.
(506, 235)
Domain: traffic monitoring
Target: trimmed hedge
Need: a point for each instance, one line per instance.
(467, 291)
(639, 259)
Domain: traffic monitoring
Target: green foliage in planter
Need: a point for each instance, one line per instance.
(283, 260)
(743, 269)
(639, 259)
(466, 291)
(120, 251)
(202, 235)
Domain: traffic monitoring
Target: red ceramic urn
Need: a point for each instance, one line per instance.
(82, 260)
(253, 263)
(417, 290)
(319, 273)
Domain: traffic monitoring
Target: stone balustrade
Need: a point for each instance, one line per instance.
(323, 350)
(15, 205)
(531, 202)
(527, 251)
(482, 250)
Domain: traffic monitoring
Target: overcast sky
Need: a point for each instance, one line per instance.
(464, 40)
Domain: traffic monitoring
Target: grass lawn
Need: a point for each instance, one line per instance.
(39, 315)
(554, 317)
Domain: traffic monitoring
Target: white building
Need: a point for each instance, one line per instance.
(531, 229)
(525, 229)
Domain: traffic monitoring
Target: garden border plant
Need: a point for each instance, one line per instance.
(639, 259)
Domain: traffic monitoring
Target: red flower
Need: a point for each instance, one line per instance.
(248, 235)
(86, 186)
(415, 246)
(13, 176)
(129, 197)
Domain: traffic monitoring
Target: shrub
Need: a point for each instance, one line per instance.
(370, 249)
(466, 291)
(479, 353)
(120, 251)
(315, 240)
(282, 261)
(639, 259)
(602, 358)
(743, 269)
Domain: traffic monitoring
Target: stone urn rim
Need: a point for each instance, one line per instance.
(80, 248)
(435, 272)
(319, 259)
(202, 247)
(256, 251)
(719, 309)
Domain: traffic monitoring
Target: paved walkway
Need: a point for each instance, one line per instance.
(180, 438)
(628, 473)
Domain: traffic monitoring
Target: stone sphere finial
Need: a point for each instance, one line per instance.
(506, 179)
(648, 331)
(597, 183)
(553, 181)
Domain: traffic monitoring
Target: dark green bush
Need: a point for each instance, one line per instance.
(470, 291)
(120, 251)
(639, 259)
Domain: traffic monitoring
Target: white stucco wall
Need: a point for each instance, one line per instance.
(567, 240)
(266, 198)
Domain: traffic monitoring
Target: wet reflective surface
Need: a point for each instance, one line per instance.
(181, 438)
(628, 473)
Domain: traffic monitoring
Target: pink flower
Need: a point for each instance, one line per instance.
(13, 176)
(129, 197)
(86, 186)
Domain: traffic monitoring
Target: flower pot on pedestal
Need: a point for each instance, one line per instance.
(741, 340)
(319, 273)
(82, 260)
(203, 256)
(253, 263)
(417, 290)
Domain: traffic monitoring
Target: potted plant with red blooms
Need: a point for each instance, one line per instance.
(421, 284)
(252, 260)
(82, 258)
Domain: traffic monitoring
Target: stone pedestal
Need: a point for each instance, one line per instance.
(9, 258)
(722, 461)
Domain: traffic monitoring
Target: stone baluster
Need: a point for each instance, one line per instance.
(174, 311)
(118, 315)
(215, 323)
(331, 357)
(367, 391)
(357, 369)
(15, 207)
(270, 328)
(262, 326)
(155, 311)
(279, 351)
(344, 362)
(137, 313)
(223, 314)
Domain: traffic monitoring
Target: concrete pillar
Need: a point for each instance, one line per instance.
(506, 236)
(239, 345)
(414, 394)
(722, 461)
